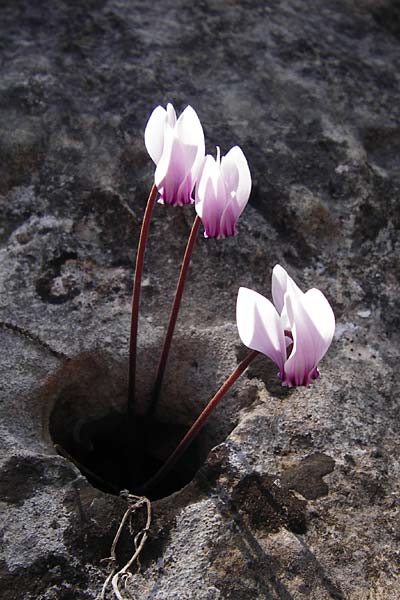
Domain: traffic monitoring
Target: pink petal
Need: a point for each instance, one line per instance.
(311, 335)
(237, 180)
(220, 210)
(259, 326)
(154, 133)
(210, 197)
(202, 183)
(177, 148)
(173, 170)
(227, 226)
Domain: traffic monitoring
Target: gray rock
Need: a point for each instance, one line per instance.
(293, 493)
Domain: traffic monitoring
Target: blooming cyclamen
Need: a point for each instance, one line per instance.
(295, 333)
(177, 148)
(222, 192)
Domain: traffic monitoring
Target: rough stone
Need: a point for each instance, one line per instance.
(297, 494)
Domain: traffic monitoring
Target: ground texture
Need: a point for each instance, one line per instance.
(297, 497)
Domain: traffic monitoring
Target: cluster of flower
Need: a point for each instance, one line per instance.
(298, 330)
(222, 186)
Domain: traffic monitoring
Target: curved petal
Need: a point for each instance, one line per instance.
(281, 283)
(171, 115)
(237, 176)
(230, 171)
(189, 130)
(177, 148)
(210, 197)
(259, 326)
(311, 335)
(154, 133)
(227, 225)
(321, 314)
(173, 170)
(220, 211)
(201, 187)
(279, 286)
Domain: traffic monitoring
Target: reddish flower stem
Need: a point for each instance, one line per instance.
(198, 424)
(136, 298)
(174, 314)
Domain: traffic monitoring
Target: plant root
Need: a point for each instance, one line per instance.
(120, 579)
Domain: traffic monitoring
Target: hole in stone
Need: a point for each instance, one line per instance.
(88, 422)
(115, 457)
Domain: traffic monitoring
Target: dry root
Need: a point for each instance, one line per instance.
(119, 579)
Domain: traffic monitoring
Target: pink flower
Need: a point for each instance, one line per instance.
(177, 148)
(295, 333)
(222, 192)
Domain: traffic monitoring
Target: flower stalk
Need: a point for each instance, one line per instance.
(137, 281)
(198, 424)
(174, 314)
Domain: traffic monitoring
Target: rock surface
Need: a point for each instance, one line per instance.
(299, 497)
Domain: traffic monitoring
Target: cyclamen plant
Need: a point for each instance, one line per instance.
(222, 192)
(295, 331)
(177, 148)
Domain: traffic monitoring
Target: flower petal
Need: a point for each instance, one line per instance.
(312, 328)
(281, 282)
(171, 115)
(227, 226)
(173, 170)
(190, 132)
(154, 133)
(210, 197)
(236, 173)
(220, 210)
(188, 127)
(321, 314)
(259, 326)
(230, 171)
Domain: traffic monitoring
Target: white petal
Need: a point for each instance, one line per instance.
(279, 286)
(154, 133)
(171, 115)
(321, 314)
(190, 131)
(230, 171)
(188, 128)
(163, 163)
(281, 283)
(311, 336)
(302, 359)
(236, 173)
(201, 186)
(172, 176)
(210, 197)
(259, 326)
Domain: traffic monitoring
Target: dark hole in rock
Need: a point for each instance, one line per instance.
(88, 424)
(115, 456)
